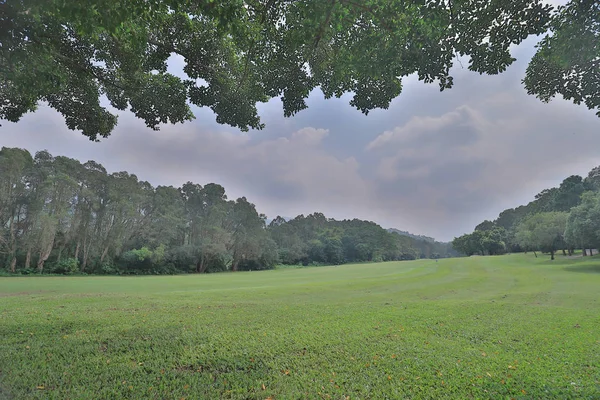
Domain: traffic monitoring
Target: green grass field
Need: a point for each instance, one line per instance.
(481, 327)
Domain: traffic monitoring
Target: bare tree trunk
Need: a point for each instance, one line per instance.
(564, 252)
(77, 249)
(13, 265)
(28, 258)
(201, 266)
(552, 255)
(13, 245)
(45, 253)
(86, 252)
(104, 253)
(85, 259)
(584, 252)
(535, 254)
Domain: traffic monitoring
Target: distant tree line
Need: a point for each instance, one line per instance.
(58, 215)
(562, 218)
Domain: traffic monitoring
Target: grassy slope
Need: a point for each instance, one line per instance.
(483, 327)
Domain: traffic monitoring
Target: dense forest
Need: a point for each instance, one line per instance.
(58, 215)
(561, 218)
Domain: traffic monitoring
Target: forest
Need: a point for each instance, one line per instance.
(58, 215)
(561, 218)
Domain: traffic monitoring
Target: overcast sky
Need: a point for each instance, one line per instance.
(434, 163)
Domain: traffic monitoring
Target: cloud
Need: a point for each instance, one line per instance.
(282, 175)
(434, 163)
(458, 127)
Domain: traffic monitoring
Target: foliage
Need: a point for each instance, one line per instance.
(66, 266)
(575, 196)
(543, 231)
(583, 227)
(490, 241)
(240, 53)
(567, 60)
(461, 328)
(55, 208)
(317, 239)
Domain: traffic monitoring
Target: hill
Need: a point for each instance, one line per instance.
(405, 233)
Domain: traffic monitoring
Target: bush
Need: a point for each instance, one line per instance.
(108, 268)
(183, 258)
(66, 266)
(28, 271)
(136, 261)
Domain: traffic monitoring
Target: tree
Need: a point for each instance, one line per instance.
(466, 244)
(568, 194)
(592, 181)
(14, 163)
(239, 53)
(494, 241)
(567, 60)
(543, 231)
(490, 241)
(485, 226)
(167, 225)
(63, 216)
(248, 233)
(583, 224)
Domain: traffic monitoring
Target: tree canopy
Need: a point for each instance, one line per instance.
(560, 218)
(59, 215)
(238, 53)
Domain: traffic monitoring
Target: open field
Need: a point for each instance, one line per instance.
(480, 327)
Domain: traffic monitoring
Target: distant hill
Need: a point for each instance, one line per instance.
(427, 247)
(418, 237)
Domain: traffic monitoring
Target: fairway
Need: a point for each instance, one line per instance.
(481, 327)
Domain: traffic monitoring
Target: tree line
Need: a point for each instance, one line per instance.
(58, 215)
(561, 218)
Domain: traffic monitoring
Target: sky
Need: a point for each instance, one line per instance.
(435, 163)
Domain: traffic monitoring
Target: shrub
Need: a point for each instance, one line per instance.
(108, 268)
(66, 266)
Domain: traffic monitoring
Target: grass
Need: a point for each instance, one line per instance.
(504, 327)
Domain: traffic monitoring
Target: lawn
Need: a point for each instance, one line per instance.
(481, 327)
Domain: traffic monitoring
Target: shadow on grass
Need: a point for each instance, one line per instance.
(589, 269)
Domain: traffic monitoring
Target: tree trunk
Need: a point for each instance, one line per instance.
(12, 252)
(44, 254)
(202, 264)
(234, 266)
(28, 258)
(584, 252)
(535, 254)
(104, 253)
(77, 250)
(552, 255)
(564, 252)
(85, 257)
(13, 265)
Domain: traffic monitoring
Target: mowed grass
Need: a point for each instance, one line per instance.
(480, 327)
